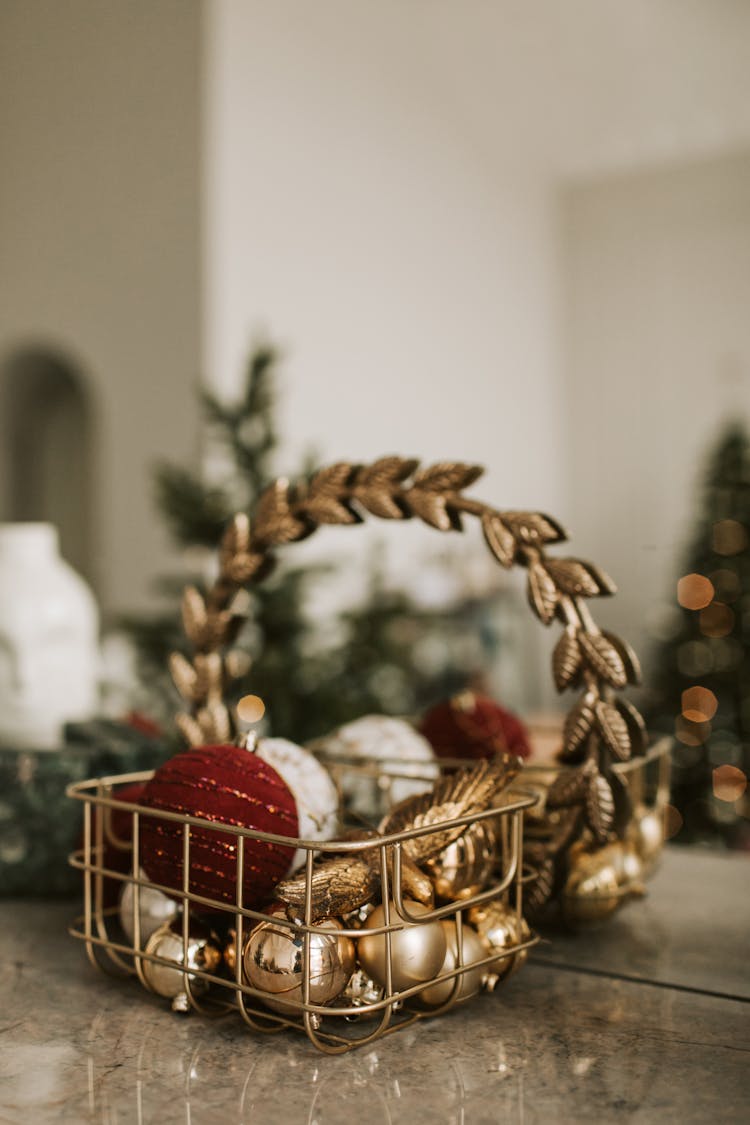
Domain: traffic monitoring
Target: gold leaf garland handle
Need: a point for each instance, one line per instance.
(600, 726)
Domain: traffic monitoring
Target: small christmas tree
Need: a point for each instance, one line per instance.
(701, 683)
(308, 687)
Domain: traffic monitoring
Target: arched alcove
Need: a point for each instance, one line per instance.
(46, 457)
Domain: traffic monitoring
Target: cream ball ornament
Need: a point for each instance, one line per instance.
(312, 788)
(155, 909)
(417, 948)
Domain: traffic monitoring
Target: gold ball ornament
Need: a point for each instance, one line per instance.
(500, 928)
(362, 990)
(470, 982)
(274, 963)
(169, 980)
(592, 889)
(417, 949)
(646, 833)
(464, 867)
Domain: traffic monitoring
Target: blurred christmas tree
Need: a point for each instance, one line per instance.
(309, 686)
(701, 682)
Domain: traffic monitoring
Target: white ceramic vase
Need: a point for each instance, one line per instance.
(49, 639)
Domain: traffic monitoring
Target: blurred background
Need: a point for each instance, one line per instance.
(514, 233)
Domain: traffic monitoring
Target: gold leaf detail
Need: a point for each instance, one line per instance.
(190, 730)
(614, 730)
(540, 890)
(636, 725)
(274, 521)
(534, 528)
(453, 795)
(542, 593)
(629, 659)
(447, 476)
(236, 538)
(430, 507)
(600, 807)
(194, 615)
(499, 537)
(327, 509)
(573, 577)
(380, 503)
(387, 470)
(183, 675)
(237, 664)
(243, 566)
(578, 724)
(568, 788)
(566, 660)
(332, 480)
(603, 658)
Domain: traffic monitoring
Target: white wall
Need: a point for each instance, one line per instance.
(99, 238)
(658, 353)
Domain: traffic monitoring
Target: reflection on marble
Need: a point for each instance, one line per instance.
(549, 1046)
(691, 930)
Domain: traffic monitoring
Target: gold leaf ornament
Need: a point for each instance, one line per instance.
(600, 807)
(499, 538)
(274, 520)
(578, 579)
(578, 724)
(542, 592)
(614, 730)
(603, 658)
(447, 476)
(566, 659)
(387, 470)
(534, 528)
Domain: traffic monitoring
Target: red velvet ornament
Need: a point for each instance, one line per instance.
(227, 785)
(473, 726)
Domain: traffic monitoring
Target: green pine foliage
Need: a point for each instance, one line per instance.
(308, 687)
(709, 648)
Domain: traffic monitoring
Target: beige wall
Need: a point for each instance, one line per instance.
(658, 357)
(99, 238)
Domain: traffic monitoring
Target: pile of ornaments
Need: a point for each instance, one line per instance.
(283, 790)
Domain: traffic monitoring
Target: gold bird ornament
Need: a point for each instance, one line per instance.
(344, 882)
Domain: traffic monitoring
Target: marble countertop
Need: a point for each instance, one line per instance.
(644, 1020)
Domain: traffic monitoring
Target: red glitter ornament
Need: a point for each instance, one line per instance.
(227, 785)
(473, 726)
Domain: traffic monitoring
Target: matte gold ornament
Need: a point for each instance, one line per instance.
(274, 963)
(464, 867)
(155, 909)
(417, 949)
(599, 881)
(470, 982)
(500, 928)
(169, 980)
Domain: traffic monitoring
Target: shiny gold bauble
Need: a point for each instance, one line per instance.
(646, 832)
(500, 928)
(592, 890)
(169, 980)
(274, 963)
(465, 866)
(470, 982)
(417, 950)
(362, 990)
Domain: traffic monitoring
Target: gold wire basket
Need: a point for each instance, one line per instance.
(602, 731)
(335, 1028)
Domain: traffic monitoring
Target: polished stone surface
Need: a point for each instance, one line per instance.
(551, 1045)
(691, 930)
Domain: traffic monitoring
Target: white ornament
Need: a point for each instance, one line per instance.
(49, 627)
(396, 747)
(313, 790)
(155, 910)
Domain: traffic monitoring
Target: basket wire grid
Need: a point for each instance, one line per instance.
(110, 951)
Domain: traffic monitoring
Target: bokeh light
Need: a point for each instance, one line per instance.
(699, 704)
(690, 733)
(729, 783)
(694, 591)
(672, 821)
(726, 585)
(729, 537)
(716, 620)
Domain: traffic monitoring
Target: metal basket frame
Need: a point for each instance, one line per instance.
(392, 1012)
